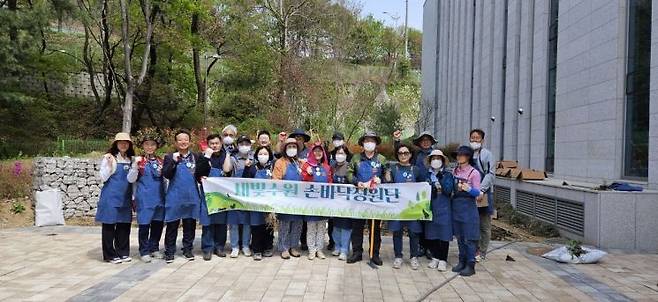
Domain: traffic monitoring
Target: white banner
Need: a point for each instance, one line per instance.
(399, 201)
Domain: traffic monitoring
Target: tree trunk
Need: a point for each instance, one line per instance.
(198, 78)
(130, 84)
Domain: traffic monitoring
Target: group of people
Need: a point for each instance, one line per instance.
(167, 192)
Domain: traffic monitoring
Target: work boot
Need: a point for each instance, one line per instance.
(355, 258)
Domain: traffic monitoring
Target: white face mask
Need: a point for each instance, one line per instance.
(475, 145)
(227, 140)
(338, 143)
(263, 159)
(369, 146)
(341, 157)
(292, 152)
(436, 164)
(244, 149)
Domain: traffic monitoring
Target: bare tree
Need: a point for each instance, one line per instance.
(149, 13)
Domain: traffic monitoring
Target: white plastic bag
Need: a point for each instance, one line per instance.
(48, 210)
(561, 254)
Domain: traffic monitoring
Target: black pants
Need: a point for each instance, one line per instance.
(358, 225)
(258, 238)
(330, 230)
(438, 248)
(115, 240)
(302, 239)
(149, 237)
(171, 235)
(269, 237)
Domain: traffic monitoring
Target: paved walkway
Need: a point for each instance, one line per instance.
(63, 263)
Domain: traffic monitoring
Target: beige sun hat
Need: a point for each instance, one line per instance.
(122, 136)
(435, 152)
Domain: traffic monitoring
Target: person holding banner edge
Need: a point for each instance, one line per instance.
(239, 220)
(215, 162)
(401, 172)
(365, 171)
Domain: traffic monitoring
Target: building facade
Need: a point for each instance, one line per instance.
(569, 87)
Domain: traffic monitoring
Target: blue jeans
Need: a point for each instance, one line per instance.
(234, 229)
(342, 239)
(414, 241)
(213, 237)
(466, 249)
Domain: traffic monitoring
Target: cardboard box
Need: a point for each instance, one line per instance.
(531, 174)
(515, 173)
(508, 164)
(504, 172)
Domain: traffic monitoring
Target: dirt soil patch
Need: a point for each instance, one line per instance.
(16, 213)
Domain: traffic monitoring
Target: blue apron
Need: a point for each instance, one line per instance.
(258, 218)
(292, 173)
(368, 168)
(465, 216)
(343, 223)
(440, 227)
(319, 175)
(217, 218)
(183, 199)
(236, 216)
(114, 204)
(402, 175)
(149, 195)
(420, 162)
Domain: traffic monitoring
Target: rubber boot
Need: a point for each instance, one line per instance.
(469, 270)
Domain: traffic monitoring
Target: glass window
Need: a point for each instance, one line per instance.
(552, 86)
(636, 138)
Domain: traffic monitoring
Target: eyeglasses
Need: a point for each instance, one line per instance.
(404, 153)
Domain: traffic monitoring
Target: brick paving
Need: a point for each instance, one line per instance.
(63, 263)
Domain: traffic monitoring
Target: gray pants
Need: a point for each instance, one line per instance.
(315, 232)
(485, 232)
(289, 234)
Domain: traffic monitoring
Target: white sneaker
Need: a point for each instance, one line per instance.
(146, 258)
(443, 266)
(434, 263)
(311, 255)
(246, 251)
(478, 258)
(342, 257)
(116, 260)
(321, 255)
(157, 255)
(397, 263)
(414, 263)
(258, 256)
(335, 253)
(235, 252)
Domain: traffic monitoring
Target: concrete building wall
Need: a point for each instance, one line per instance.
(493, 60)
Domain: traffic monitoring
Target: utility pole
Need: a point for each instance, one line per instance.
(406, 19)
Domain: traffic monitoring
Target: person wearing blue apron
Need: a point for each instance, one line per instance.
(424, 142)
(402, 172)
(302, 154)
(213, 163)
(342, 227)
(366, 171)
(438, 231)
(262, 169)
(316, 169)
(149, 198)
(338, 140)
(114, 212)
(237, 220)
(289, 167)
(465, 217)
(183, 198)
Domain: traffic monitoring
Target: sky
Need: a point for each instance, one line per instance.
(396, 9)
